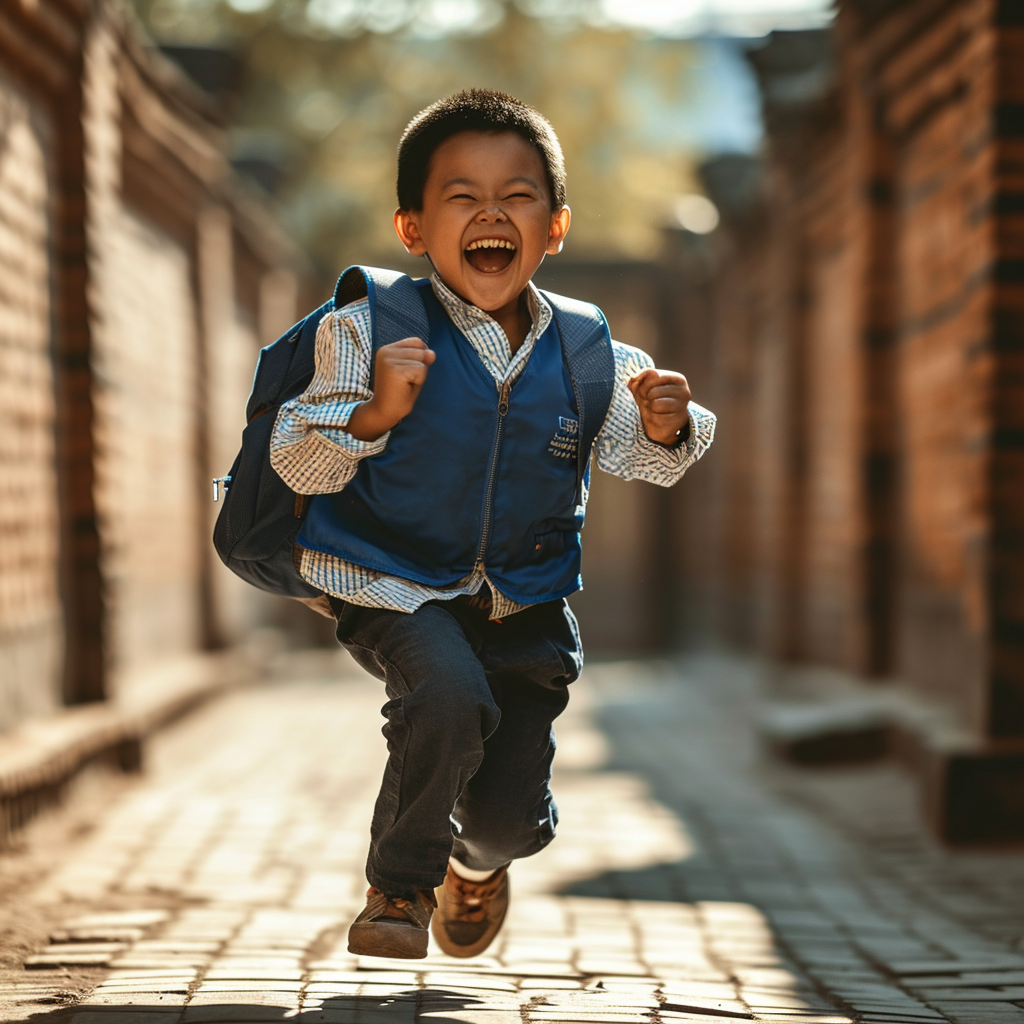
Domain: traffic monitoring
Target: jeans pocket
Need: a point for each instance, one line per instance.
(352, 620)
(564, 639)
(347, 616)
(540, 643)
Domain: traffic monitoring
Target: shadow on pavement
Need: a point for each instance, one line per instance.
(347, 1009)
(656, 882)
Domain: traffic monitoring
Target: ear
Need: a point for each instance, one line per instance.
(558, 229)
(408, 229)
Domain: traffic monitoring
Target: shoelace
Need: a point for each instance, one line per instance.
(395, 901)
(379, 903)
(474, 896)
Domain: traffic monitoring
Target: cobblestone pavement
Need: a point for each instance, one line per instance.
(691, 881)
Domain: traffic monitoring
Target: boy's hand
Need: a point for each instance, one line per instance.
(661, 396)
(399, 371)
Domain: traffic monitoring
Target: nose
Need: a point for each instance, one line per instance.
(492, 213)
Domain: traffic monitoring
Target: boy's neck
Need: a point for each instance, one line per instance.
(514, 318)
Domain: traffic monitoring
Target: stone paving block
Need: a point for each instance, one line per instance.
(721, 1007)
(548, 984)
(631, 987)
(466, 980)
(813, 1018)
(317, 991)
(725, 991)
(232, 1015)
(678, 971)
(120, 919)
(976, 995)
(260, 974)
(152, 962)
(599, 1001)
(173, 997)
(247, 997)
(990, 962)
(235, 1013)
(75, 954)
(144, 985)
(390, 977)
(458, 1003)
(543, 968)
(473, 1015)
(582, 1017)
(985, 1013)
(333, 1017)
(260, 966)
(605, 965)
(778, 892)
(395, 1013)
(903, 1018)
(134, 1016)
(171, 973)
(703, 1018)
(761, 1002)
(106, 933)
(984, 979)
(248, 985)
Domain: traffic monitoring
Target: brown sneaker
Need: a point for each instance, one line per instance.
(391, 926)
(469, 914)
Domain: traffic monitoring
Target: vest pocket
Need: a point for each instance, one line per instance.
(550, 544)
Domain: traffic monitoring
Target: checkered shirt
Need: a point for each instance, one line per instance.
(314, 454)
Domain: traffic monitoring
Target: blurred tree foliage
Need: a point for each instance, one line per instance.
(330, 84)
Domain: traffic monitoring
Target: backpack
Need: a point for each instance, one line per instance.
(261, 516)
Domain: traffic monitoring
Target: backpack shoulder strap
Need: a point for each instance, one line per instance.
(587, 346)
(396, 309)
(286, 367)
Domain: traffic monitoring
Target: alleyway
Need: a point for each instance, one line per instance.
(690, 881)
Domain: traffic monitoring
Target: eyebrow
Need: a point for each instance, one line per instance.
(521, 180)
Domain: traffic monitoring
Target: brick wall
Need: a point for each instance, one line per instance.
(869, 317)
(146, 406)
(687, 522)
(933, 69)
(30, 607)
(1006, 591)
(125, 356)
(832, 624)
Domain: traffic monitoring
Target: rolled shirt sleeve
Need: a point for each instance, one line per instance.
(624, 450)
(310, 448)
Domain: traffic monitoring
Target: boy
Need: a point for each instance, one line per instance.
(451, 537)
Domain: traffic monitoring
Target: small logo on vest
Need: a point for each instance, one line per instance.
(566, 442)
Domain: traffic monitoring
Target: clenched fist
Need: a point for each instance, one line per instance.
(399, 371)
(661, 396)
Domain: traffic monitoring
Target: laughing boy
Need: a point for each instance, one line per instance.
(452, 538)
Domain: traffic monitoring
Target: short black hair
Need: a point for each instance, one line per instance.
(474, 110)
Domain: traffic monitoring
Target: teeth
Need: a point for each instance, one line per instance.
(490, 243)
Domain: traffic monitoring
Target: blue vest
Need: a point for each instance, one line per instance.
(473, 476)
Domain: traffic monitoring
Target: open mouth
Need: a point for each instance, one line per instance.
(490, 255)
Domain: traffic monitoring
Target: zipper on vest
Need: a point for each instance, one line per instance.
(485, 530)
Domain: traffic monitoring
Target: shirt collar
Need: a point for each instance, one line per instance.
(467, 316)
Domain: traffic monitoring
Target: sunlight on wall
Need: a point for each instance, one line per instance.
(744, 17)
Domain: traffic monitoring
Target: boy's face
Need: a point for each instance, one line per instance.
(486, 221)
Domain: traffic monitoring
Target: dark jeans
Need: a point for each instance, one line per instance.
(470, 743)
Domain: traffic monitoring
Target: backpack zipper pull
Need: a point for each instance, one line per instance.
(218, 483)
